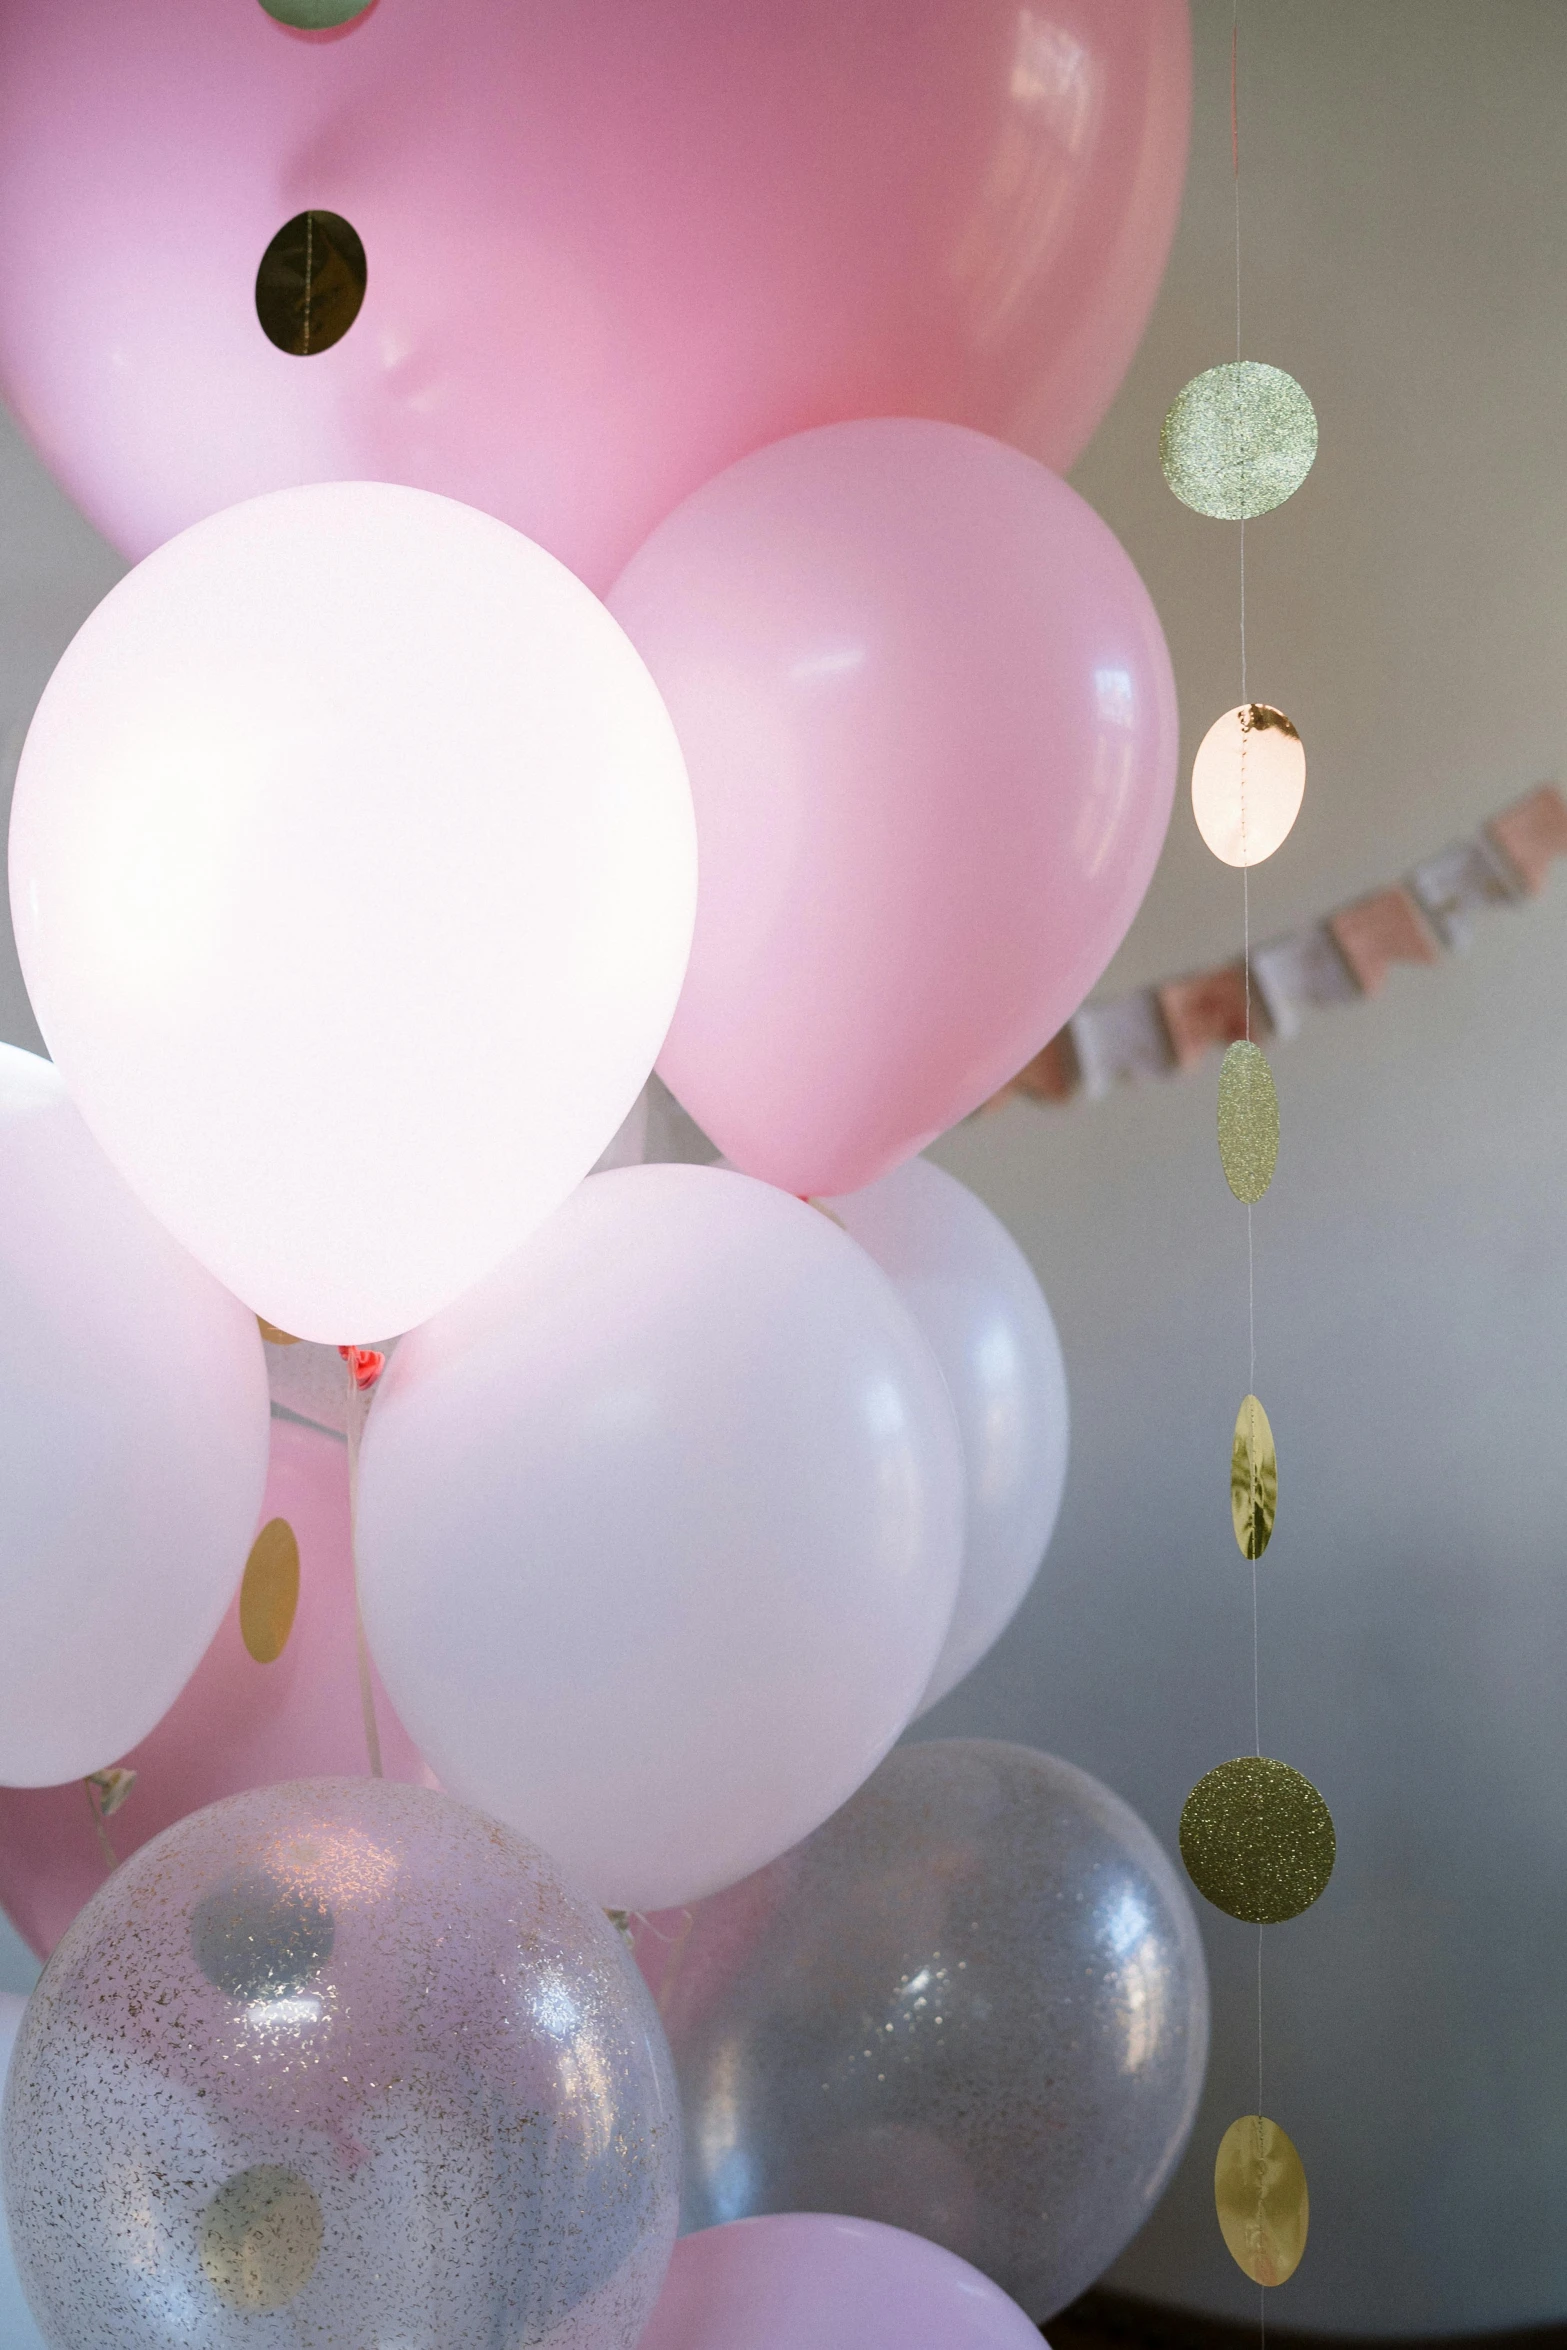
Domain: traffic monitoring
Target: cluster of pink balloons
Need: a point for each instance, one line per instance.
(601, 599)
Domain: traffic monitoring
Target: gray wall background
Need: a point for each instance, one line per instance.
(1405, 255)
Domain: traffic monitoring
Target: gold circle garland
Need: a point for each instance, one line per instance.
(1257, 1840)
(1238, 440)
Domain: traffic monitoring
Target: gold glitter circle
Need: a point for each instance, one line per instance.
(1259, 2193)
(1239, 440)
(1248, 1121)
(261, 2238)
(1257, 1840)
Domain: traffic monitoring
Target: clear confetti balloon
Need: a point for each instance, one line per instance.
(973, 2005)
(333, 2066)
(1239, 440)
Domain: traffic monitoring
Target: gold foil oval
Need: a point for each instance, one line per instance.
(1238, 440)
(311, 283)
(273, 1335)
(1254, 1479)
(1257, 1840)
(1259, 2192)
(269, 1594)
(1248, 782)
(1248, 1121)
(261, 2238)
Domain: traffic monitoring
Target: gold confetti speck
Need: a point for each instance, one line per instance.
(1254, 1479)
(1248, 1121)
(269, 1593)
(1257, 1840)
(261, 2238)
(1239, 440)
(1259, 2192)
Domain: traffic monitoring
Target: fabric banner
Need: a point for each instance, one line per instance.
(1345, 955)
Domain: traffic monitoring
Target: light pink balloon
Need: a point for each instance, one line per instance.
(612, 244)
(806, 2281)
(234, 1726)
(929, 722)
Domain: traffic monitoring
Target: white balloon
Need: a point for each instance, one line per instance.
(134, 1426)
(17, 2329)
(659, 1531)
(973, 1293)
(353, 872)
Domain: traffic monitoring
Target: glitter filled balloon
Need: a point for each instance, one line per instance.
(973, 2005)
(1248, 781)
(335, 2064)
(1239, 440)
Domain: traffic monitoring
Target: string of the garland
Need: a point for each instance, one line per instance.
(1251, 1262)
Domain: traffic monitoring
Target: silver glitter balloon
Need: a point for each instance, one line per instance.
(336, 2066)
(973, 2005)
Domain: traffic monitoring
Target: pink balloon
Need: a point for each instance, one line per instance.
(804, 2281)
(235, 1725)
(929, 721)
(612, 244)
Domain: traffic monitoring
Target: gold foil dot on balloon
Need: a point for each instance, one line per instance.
(1254, 1479)
(1248, 1121)
(316, 16)
(310, 283)
(261, 2238)
(1259, 2192)
(269, 1592)
(1248, 780)
(1239, 440)
(273, 1335)
(1257, 1840)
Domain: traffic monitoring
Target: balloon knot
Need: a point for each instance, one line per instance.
(366, 1364)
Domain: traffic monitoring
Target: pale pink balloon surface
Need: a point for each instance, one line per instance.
(808, 2281)
(611, 244)
(235, 1725)
(929, 721)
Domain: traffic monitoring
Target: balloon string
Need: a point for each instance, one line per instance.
(111, 1860)
(358, 1405)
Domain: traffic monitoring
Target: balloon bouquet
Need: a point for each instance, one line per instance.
(600, 601)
